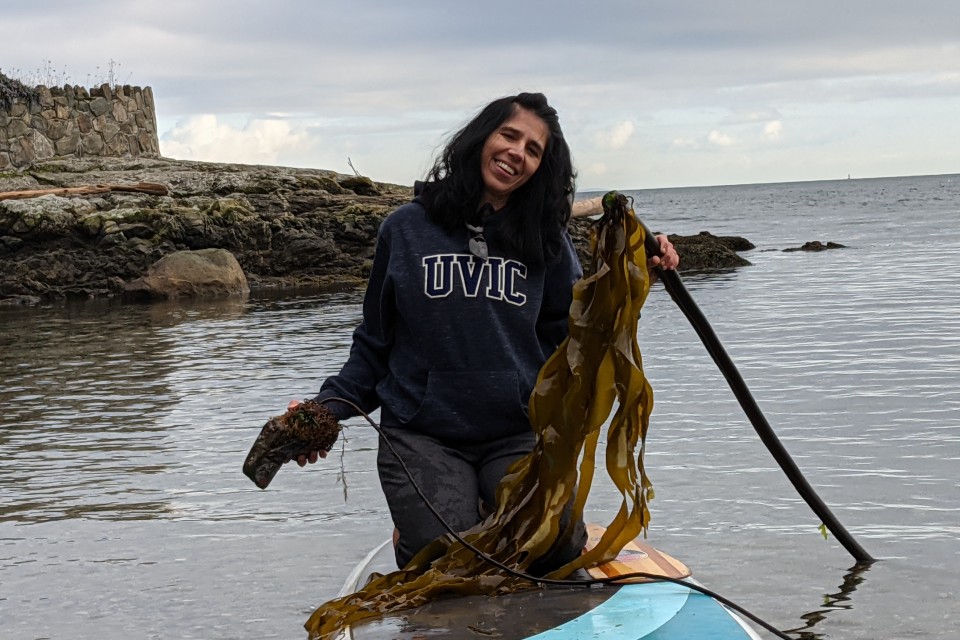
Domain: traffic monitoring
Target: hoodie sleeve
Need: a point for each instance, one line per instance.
(372, 340)
(552, 327)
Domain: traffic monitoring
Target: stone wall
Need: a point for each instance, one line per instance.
(73, 122)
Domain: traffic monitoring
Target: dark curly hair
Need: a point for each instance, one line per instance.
(454, 187)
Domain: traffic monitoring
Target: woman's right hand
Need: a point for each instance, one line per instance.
(312, 456)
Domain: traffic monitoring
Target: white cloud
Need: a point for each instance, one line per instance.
(684, 143)
(597, 169)
(772, 130)
(617, 136)
(719, 139)
(752, 115)
(204, 137)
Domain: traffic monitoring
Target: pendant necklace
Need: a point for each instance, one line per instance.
(477, 243)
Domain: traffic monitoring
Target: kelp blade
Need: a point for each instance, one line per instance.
(597, 366)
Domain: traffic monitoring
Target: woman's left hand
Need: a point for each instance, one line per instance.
(668, 258)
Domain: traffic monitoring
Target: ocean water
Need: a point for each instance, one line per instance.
(124, 512)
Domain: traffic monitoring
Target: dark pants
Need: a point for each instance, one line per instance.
(456, 480)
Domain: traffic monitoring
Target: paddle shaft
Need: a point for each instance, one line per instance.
(678, 292)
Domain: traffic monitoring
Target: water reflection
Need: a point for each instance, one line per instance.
(169, 314)
(841, 600)
(712, 278)
(86, 391)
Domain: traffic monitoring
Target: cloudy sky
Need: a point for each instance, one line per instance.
(650, 94)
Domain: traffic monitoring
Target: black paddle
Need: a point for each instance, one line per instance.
(674, 285)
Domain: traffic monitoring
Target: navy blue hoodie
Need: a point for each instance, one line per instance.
(451, 345)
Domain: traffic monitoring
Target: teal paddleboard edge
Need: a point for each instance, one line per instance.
(651, 611)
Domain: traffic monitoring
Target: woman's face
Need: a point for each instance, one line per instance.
(511, 155)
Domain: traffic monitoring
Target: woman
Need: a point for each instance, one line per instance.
(468, 296)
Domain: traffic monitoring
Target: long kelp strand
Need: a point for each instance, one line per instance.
(597, 366)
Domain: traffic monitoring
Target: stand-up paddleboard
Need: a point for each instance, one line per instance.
(637, 611)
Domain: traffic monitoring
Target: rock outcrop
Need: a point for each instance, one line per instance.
(816, 245)
(206, 273)
(286, 227)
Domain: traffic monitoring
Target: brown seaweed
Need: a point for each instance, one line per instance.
(598, 365)
(309, 426)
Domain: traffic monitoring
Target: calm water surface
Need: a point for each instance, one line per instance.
(124, 514)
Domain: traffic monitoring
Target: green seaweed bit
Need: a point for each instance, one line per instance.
(599, 364)
(314, 423)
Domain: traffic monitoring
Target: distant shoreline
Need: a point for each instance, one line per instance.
(585, 193)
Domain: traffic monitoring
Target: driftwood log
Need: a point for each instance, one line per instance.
(589, 207)
(140, 187)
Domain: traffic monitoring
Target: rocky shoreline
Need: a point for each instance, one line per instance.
(287, 227)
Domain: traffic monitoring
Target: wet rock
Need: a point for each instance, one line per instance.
(360, 185)
(705, 251)
(189, 274)
(702, 252)
(24, 301)
(816, 245)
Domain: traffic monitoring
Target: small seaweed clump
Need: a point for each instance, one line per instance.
(310, 426)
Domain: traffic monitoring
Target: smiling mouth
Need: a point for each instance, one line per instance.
(506, 167)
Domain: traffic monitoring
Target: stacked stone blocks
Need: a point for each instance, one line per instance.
(71, 122)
